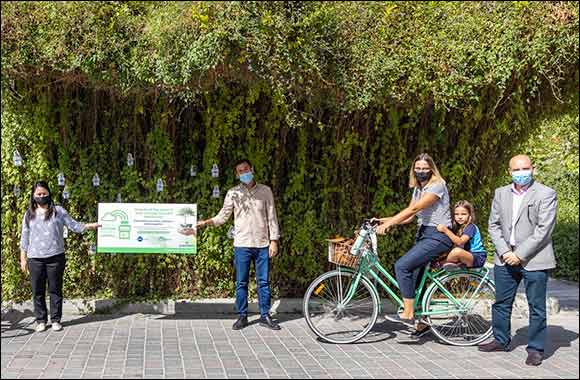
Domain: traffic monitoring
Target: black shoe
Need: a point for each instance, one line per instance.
(240, 323)
(492, 346)
(267, 321)
(534, 358)
(418, 333)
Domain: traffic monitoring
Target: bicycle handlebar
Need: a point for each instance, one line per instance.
(373, 222)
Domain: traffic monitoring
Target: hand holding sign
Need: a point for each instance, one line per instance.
(187, 231)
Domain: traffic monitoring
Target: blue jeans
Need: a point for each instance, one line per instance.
(429, 244)
(507, 280)
(242, 258)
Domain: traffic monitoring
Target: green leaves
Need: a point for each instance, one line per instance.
(330, 100)
(447, 52)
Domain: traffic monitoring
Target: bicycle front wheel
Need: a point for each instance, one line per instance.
(464, 319)
(332, 318)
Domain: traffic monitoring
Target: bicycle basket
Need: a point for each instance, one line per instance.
(339, 252)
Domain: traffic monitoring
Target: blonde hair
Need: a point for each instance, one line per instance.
(470, 209)
(435, 176)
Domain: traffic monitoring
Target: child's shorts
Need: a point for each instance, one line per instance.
(479, 259)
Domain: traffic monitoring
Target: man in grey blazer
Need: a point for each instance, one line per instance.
(522, 219)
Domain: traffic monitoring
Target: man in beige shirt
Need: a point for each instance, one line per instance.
(256, 239)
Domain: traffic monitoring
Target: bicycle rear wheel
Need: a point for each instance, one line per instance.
(334, 321)
(469, 323)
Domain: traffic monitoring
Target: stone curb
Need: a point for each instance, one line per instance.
(219, 306)
(216, 306)
(207, 307)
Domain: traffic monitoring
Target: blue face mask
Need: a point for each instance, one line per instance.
(247, 177)
(522, 177)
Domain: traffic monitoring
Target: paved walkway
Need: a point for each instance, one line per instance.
(158, 346)
(204, 346)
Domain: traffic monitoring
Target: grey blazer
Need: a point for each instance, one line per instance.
(533, 229)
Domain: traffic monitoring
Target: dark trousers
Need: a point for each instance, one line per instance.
(261, 258)
(51, 269)
(429, 245)
(507, 279)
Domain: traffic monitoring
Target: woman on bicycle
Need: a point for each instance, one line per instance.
(430, 203)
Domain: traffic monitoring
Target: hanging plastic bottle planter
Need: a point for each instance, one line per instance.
(16, 191)
(231, 233)
(92, 249)
(61, 179)
(159, 185)
(192, 171)
(130, 160)
(215, 171)
(216, 192)
(17, 158)
(96, 180)
(118, 199)
(65, 193)
(65, 232)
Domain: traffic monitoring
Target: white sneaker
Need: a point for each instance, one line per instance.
(56, 326)
(40, 327)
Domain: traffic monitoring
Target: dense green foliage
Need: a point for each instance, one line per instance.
(554, 150)
(330, 101)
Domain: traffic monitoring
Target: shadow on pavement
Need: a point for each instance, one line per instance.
(16, 323)
(380, 332)
(558, 337)
(89, 318)
(252, 317)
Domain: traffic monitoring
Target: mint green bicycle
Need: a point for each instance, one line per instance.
(342, 306)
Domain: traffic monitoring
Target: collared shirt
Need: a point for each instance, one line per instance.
(255, 220)
(518, 197)
(44, 238)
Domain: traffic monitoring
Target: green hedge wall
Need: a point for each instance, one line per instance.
(554, 149)
(331, 101)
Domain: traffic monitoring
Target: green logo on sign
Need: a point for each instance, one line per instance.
(124, 227)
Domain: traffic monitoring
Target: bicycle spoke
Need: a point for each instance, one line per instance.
(323, 301)
(333, 320)
(333, 290)
(465, 325)
(359, 304)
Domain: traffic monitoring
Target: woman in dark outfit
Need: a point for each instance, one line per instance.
(42, 252)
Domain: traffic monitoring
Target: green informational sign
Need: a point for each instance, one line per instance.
(146, 228)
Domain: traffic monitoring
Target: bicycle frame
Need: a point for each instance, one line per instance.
(370, 265)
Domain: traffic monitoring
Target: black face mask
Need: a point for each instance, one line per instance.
(423, 176)
(42, 200)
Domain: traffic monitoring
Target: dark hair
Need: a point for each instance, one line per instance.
(31, 211)
(239, 162)
(470, 209)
